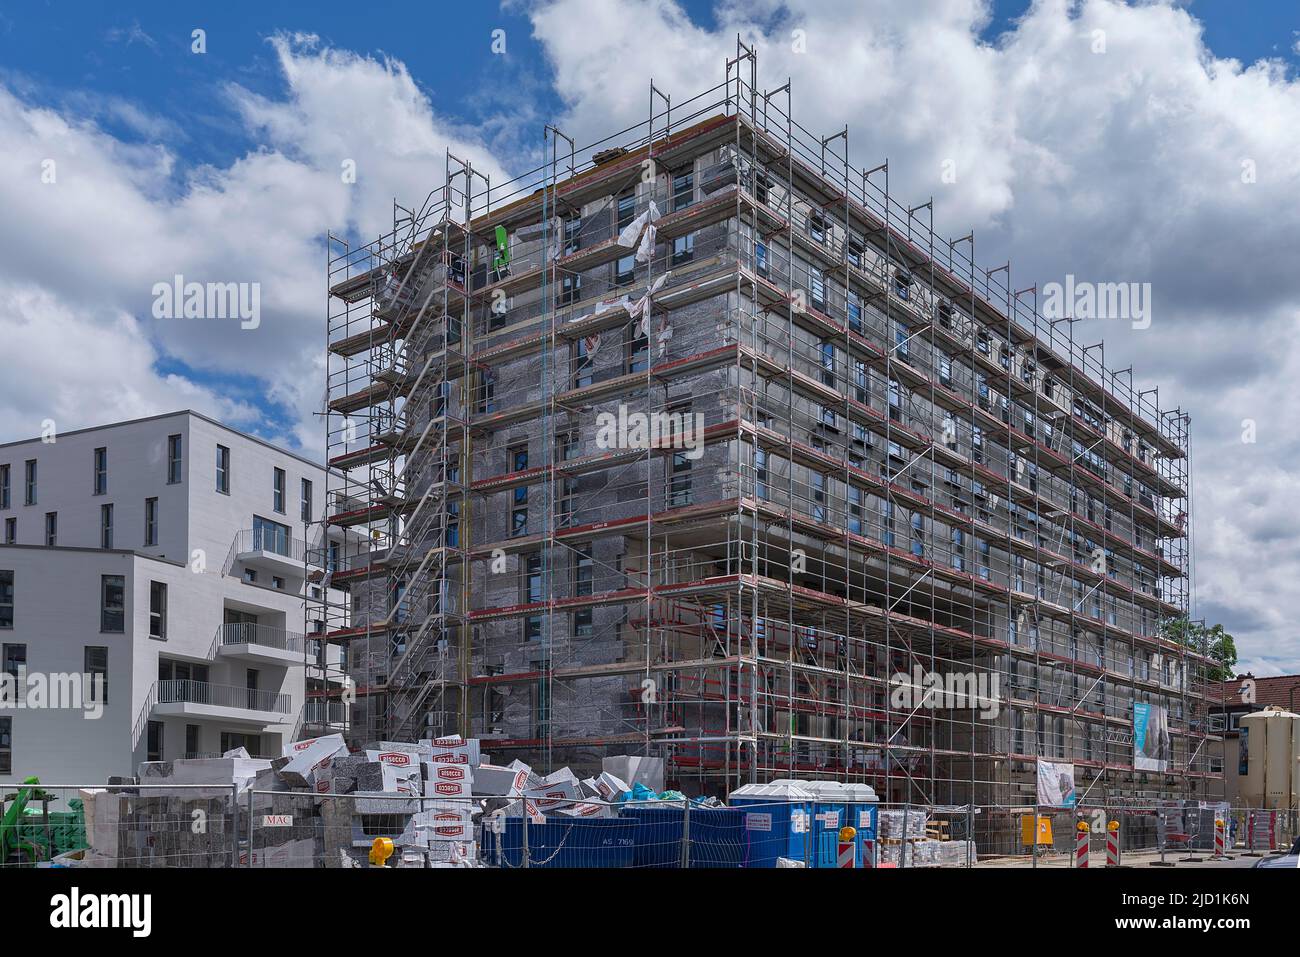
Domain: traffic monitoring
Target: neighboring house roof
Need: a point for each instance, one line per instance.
(171, 415)
(1282, 690)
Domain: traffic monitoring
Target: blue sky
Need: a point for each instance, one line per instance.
(1126, 166)
(140, 52)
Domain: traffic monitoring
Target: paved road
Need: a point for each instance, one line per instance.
(1141, 859)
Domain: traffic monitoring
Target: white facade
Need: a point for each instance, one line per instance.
(210, 552)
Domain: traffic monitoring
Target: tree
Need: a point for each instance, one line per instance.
(1213, 641)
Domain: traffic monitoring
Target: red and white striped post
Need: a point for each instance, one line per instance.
(847, 856)
(1219, 838)
(1083, 836)
(1112, 844)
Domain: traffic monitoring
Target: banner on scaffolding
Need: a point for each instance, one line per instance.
(1056, 785)
(1151, 745)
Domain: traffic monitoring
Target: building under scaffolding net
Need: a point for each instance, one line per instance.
(690, 442)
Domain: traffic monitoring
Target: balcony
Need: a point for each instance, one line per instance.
(325, 715)
(267, 550)
(181, 698)
(268, 644)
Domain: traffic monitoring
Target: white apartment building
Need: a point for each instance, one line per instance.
(169, 555)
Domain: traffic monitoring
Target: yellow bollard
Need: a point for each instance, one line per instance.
(380, 851)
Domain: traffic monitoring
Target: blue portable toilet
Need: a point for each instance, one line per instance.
(861, 807)
(775, 823)
(830, 813)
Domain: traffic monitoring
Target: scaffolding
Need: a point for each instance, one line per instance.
(901, 465)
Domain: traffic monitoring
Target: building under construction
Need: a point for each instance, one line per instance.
(690, 442)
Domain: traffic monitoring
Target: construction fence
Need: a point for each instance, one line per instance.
(205, 826)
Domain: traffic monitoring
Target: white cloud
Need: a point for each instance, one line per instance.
(1125, 165)
(120, 217)
(1122, 165)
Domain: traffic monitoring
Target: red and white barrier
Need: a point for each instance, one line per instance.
(1219, 840)
(847, 856)
(1084, 836)
(1112, 844)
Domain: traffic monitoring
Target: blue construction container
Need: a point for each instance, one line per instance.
(775, 822)
(717, 835)
(563, 842)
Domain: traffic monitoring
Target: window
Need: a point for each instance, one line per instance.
(572, 232)
(901, 336)
(151, 521)
(582, 623)
(306, 500)
(15, 663)
(4, 486)
(542, 708)
(760, 259)
(269, 536)
(533, 578)
(854, 308)
(817, 226)
(679, 488)
(625, 270)
(112, 603)
(570, 289)
(101, 471)
(192, 740)
(6, 745)
(683, 190)
(277, 490)
(683, 249)
(582, 363)
(29, 482)
(760, 473)
(817, 287)
(51, 528)
(518, 458)
(637, 350)
(626, 210)
(173, 459)
(96, 672)
(6, 598)
(106, 526)
(155, 741)
(158, 610)
(582, 569)
(223, 469)
(11, 530)
(252, 743)
(827, 351)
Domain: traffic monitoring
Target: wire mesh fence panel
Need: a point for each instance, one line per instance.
(135, 826)
(217, 826)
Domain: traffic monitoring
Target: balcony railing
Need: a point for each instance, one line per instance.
(267, 636)
(184, 691)
(322, 713)
(269, 540)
